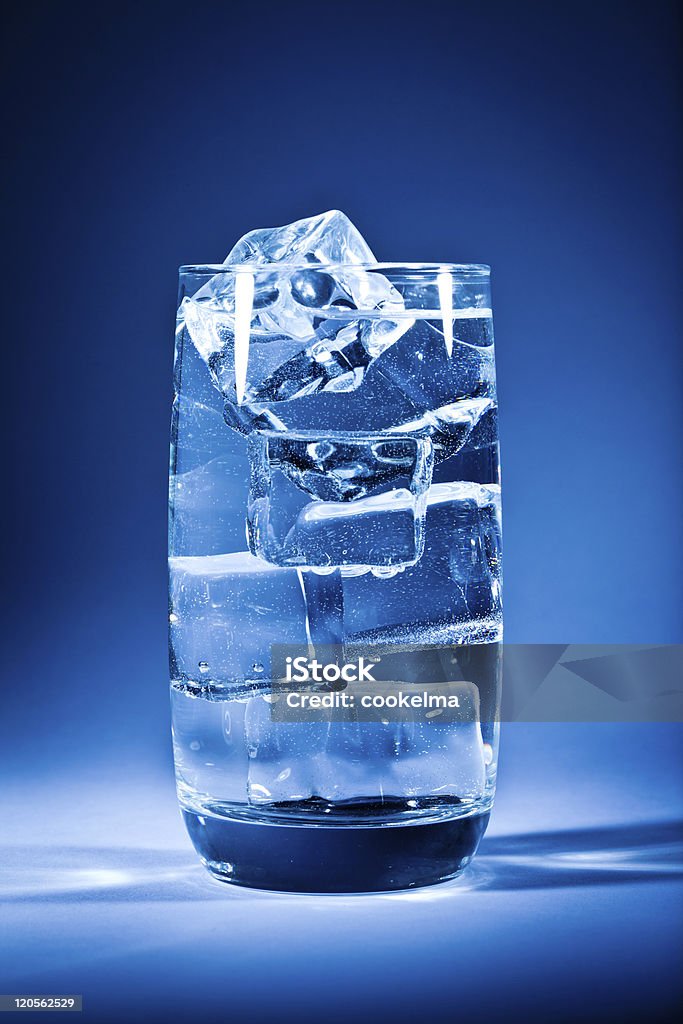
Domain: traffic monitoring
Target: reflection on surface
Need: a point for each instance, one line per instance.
(643, 852)
(646, 851)
(67, 874)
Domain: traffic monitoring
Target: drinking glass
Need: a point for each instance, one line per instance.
(334, 484)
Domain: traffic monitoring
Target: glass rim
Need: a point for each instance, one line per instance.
(465, 271)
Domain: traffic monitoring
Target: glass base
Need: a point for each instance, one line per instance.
(321, 858)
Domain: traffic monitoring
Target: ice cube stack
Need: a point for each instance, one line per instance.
(340, 436)
(324, 322)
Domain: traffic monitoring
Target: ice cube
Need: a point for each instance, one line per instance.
(338, 500)
(325, 238)
(414, 386)
(434, 375)
(206, 513)
(296, 310)
(455, 587)
(208, 483)
(385, 530)
(226, 611)
(410, 759)
(313, 380)
(289, 354)
(283, 756)
(334, 362)
(343, 467)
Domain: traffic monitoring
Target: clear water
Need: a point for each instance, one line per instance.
(334, 479)
(390, 536)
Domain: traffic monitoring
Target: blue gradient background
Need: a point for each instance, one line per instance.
(542, 139)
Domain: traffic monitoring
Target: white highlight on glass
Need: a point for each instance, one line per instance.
(244, 301)
(445, 286)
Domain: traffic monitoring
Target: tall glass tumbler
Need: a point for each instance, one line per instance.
(334, 482)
